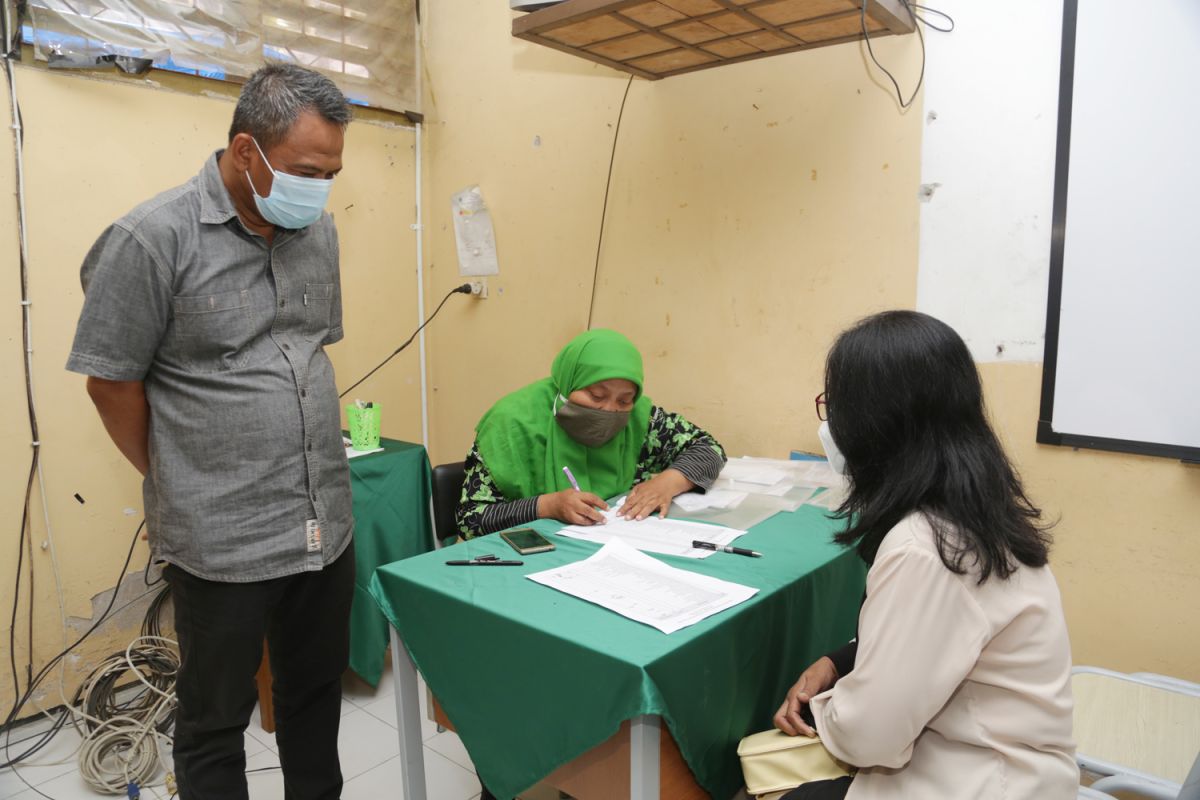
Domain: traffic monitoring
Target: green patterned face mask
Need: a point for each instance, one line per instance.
(591, 427)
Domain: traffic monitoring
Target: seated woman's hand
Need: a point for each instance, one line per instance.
(814, 680)
(654, 495)
(572, 507)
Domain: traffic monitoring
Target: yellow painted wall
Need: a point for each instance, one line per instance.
(93, 150)
(1127, 542)
(755, 211)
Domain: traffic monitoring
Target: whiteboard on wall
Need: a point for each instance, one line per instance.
(1122, 363)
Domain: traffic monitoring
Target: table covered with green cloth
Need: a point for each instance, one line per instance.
(533, 678)
(391, 521)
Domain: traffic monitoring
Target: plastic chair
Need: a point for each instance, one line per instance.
(1190, 790)
(1140, 732)
(446, 492)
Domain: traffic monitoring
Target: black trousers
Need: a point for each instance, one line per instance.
(821, 790)
(220, 626)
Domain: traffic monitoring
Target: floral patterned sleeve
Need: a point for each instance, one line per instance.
(673, 442)
(482, 508)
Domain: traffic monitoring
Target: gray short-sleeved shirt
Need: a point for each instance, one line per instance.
(228, 335)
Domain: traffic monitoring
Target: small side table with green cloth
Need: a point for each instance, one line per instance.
(391, 522)
(532, 678)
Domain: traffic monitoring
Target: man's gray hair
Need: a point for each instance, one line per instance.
(276, 95)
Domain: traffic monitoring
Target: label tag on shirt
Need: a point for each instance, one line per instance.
(312, 533)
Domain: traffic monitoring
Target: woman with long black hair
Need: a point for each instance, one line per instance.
(958, 683)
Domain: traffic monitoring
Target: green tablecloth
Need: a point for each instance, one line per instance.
(533, 678)
(391, 522)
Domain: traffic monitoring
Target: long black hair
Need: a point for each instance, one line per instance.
(906, 410)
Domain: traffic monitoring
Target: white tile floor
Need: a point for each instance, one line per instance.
(368, 745)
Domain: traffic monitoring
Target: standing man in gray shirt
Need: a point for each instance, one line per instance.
(202, 334)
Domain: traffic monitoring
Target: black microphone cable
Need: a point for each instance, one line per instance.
(464, 289)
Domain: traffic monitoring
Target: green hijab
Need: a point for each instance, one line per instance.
(525, 448)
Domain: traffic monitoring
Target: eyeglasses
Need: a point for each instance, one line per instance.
(822, 407)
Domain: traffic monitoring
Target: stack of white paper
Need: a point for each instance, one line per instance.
(716, 498)
(830, 498)
(819, 473)
(644, 589)
(669, 536)
(792, 482)
(753, 470)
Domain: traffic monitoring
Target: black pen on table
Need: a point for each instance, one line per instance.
(494, 562)
(740, 551)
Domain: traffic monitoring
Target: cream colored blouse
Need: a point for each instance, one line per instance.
(959, 690)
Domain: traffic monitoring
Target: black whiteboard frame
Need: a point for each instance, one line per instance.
(1062, 158)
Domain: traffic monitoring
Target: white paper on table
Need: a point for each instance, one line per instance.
(713, 498)
(819, 473)
(671, 537)
(779, 489)
(352, 453)
(802, 494)
(634, 585)
(830, 498)
(746, 470)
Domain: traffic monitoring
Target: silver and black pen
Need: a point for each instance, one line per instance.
(739, 551)
(484, 561)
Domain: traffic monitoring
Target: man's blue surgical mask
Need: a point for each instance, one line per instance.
(294, 202)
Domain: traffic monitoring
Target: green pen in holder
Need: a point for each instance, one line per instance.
(364, 425)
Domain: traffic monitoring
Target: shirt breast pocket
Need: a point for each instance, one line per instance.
(214, 330)
(318, 306)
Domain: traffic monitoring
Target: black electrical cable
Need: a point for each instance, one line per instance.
(604, 208)
(152, 622)
(44, 738)
(464, 289)
(100, 704)
(12, 631)
(41, 675)
(941, 14)
(149, 560)
(917, 20)
(24, 535)
(63, 712)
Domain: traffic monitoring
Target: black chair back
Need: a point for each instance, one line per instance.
(447, 489)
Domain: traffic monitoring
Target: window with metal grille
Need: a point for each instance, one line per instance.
(368, 47)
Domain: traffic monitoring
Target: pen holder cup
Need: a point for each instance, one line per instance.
(364, 426)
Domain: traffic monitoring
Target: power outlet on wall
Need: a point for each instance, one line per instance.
(479, 288)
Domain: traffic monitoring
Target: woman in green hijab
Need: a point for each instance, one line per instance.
(591, 417)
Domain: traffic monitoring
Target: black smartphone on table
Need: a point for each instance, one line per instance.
(527, 541)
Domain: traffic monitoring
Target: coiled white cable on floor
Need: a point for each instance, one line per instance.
(124, 748)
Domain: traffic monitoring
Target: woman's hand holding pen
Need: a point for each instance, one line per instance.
(572, 507)
(655, 494)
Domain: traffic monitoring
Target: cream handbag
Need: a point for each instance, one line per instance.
(774, 763)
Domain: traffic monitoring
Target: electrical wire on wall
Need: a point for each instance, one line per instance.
(23, 698)
(25, 533)
(917, 20)
(149, 657)
(604, 208)
(463, 289)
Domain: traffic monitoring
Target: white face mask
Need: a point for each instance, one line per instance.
(836, 460)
